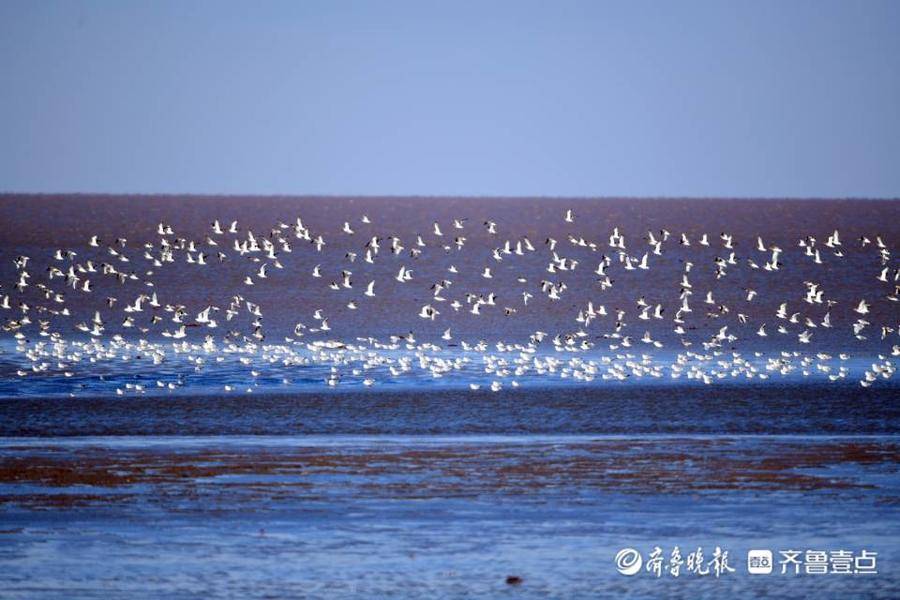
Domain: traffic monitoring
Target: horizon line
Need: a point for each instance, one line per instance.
(7, 194)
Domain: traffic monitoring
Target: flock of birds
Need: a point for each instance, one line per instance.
(143, 327)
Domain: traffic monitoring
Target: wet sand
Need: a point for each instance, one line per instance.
(392, 471)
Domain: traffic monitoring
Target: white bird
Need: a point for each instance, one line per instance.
(428, 312)
(404, 274)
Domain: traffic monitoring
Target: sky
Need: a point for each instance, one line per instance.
(782, 98)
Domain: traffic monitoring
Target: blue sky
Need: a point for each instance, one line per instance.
(633, 98)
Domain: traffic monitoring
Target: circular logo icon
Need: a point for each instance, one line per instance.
(629, 561)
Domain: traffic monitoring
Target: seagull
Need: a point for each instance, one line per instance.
(39, 320)
(428, 312)
(404, 274)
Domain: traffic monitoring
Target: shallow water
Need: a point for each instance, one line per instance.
(444, 494)
(621, 410)
(438, 517)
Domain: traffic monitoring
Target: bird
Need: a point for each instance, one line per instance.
(655, 284)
